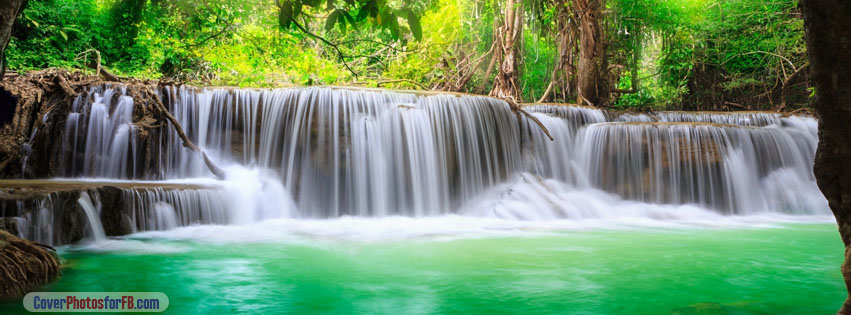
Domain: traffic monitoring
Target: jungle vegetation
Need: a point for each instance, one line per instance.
(643, 54)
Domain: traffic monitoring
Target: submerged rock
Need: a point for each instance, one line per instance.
(25, 265)
(713, 308)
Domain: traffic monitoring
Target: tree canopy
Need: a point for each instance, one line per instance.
(685, 54)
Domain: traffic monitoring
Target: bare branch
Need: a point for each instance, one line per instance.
(761, 52)
(519, 110)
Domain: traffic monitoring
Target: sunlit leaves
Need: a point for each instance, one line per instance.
(348, 18)
(285, 15)
(414, 23)
(347, 14)
(331, 20)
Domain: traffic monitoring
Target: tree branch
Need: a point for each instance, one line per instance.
(336, 47)
(519, 110)
(158, 104)
(761, 52)
(96, 65)
(785, 87)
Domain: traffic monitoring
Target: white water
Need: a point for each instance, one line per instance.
(93, 217)
(446, 227)
(736, 170)
(327, 153)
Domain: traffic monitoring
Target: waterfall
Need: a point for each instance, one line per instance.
(554, 159)
(327, 152)
(754, 119)
(99, 138)
(158, 208)
(730, 168)
(93, 209)
(344, 152)
(92, 216)
(163, 218)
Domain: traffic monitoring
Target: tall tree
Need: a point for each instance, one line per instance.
(592, 71)
(827, 24)
(9, 11)
(508, 37)
(563, 80)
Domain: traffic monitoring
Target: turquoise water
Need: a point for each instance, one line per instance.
(788, 268)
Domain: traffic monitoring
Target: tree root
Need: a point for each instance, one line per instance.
(48, 92)
(65, 86)
(25, 265)
(158, 104)
(518, 110)
(95, 64)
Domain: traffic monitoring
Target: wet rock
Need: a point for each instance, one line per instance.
(72, 220)
(712, 308)
(48, 211)
(28, 211)
(114, 214)
(11, 225)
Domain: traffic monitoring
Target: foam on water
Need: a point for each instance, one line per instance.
(127, 246)
(254, 195)
(527, 205)
(447, 227)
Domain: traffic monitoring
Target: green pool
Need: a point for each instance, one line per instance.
(780, 268)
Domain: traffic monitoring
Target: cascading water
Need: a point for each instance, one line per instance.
(92, 216)
(733, 169)
(554, 159)
(159, 209)
(99, 138)
(754, 119)
(82, 209)
(330, 152)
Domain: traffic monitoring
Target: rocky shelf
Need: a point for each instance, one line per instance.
(49, 211)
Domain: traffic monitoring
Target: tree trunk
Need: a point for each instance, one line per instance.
(827, 24)
(562, 76)
(592, 85)
(505, 84)
(9, 11)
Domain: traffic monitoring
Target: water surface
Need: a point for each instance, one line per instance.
(777, 268)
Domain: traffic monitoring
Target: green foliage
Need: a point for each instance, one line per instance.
(350, 13)
(228, 42)
(674, 46)
(715, 47)
(51, 33)
(537, 66)
(443, 29)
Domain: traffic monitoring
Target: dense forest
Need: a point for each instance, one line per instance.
(645, 54)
